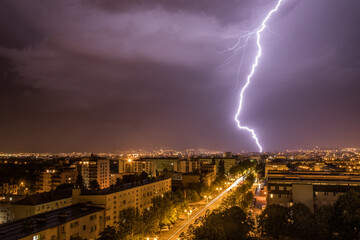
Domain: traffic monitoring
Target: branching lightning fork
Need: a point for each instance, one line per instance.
(241, 45)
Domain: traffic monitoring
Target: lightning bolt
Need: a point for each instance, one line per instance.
(241, 45)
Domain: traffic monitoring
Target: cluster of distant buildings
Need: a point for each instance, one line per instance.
(314, 182)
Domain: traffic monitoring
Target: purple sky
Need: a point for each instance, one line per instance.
(110, 75)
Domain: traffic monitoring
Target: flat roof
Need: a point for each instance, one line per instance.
(45, 197)
(40, 222)
(119, 189)
(312, 173)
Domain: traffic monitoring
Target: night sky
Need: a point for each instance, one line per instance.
(107, 75)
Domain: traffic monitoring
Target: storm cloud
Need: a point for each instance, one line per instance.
(112, 75)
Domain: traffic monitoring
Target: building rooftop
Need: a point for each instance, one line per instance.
(41, 198)
(118, 188)
(313, 176)
(37, 223)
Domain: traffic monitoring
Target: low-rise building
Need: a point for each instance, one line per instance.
(41, 202)
(79, 220)
(314, 189)
(6, 208)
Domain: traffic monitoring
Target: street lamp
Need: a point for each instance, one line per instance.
(207, 200)
(188, 213)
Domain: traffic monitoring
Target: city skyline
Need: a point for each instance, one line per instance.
(107, 76)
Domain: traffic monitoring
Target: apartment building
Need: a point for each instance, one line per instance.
(314, 189)
(41, 202)
(49, 179)
(97, 169)
(79, 220)
(275, 167)
(228, 162)
(44, 181)
(9, 188)
(166, 163)
(116, 199)
(187, 166)
(137, 167)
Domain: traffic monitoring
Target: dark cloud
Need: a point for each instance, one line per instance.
(109, 75)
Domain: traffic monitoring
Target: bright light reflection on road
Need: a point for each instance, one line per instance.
(206, 206)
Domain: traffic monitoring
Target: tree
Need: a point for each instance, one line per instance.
(119, 182)
(109, 233)
(94, 185)
(249, 181)
(302, 223)
(221, 168)
(230, 224)
(273, 222)
(144, 175)
(79, 182)
(211, 228)
(130, 225)
(322, 220)
(246, 200)
(194, 196)
(228, 202)
(345, 220)
(235, 224)
(164, 210)
(260, 169)
(151, 223)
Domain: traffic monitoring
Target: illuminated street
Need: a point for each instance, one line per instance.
(184, 225)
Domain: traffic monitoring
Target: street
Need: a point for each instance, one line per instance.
(182, 226)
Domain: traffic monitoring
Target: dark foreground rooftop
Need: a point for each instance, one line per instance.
(40, 198)
(37, 223)
(115, 189)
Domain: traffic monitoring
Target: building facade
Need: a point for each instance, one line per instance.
(95, 169)
(49, 179)
(79, 220)
(275, 167)
(115, 200)
(187, 166)
(41, 203)
(9, 188)
(314, 189)
(137, 167)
